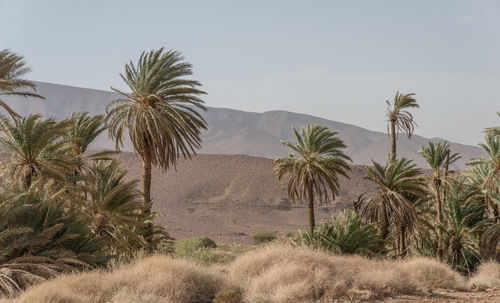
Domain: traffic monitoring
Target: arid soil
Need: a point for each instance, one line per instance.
(449, 296)
(230, 198)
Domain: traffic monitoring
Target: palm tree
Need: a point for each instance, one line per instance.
(438, 157)
(399, 118)
(464, 214)
(113, 205)
(397, 183)
(12, 69)
(36, 149)
(82, 130)
(314, 165)
(160, 112)
(347, 234)
(486, 171)
(40, 238)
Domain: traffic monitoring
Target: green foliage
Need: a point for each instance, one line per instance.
(228, 296)
(197, 248)
(37, 151)
(397, 183)
(398, 115)
(12, 69)
(160, 111)
(263, 237)
(314, 166)
(40, 239)
(347, 234)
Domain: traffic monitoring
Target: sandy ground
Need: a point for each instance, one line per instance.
(448, 296)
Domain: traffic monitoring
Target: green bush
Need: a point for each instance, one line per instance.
(228, 296)
(346, 234)
(263, 237)
(199, 249)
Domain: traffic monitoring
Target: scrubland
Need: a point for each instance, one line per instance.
(275, 273)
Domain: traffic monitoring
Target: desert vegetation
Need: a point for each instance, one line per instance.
(70, 216)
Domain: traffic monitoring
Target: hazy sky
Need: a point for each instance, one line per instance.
(335, 59)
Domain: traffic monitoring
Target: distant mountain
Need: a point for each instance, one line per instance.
(238, 132)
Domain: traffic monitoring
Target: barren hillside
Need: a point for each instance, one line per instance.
(231, 197)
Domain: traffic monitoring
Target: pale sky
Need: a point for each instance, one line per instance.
(339, 60)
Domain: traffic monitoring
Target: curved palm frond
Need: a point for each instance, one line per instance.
(12, 69)
(398, 181)
(36, 149)
(398, 114)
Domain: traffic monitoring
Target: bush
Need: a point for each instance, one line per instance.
(347, 234)
(198, 249)
(228, 296)
(263, 237)
(287, 274)
(488, 275)
(188, 247)
(151, 280)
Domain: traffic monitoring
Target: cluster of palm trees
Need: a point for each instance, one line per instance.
(453, 216)
(66, 208)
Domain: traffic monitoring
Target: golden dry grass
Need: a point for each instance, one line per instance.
(271, 274)
(488, 275)
(285, 274)
(156, 279)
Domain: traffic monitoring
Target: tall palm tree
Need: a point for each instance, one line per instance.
(314, 165)
(36, 149)
(399, 118)
(438, 157)
(397, 182)
(12, 69)
(159, 112)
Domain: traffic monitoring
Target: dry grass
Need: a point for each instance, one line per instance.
(156, 279)
(271, 274)
(284, 274)
(488, 275)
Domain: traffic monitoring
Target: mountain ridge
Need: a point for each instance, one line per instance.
(234, 132)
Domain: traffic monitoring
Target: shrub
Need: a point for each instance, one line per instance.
(228, 296)
(288, 274)
(263, 237)
(346, 234)
(151, 280)
(198, 249)
(487, 275)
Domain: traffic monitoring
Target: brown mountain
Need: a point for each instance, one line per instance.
(237, 132)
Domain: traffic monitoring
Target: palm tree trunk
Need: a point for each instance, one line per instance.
(403, 242)
(440, 219)
(310, 207)
(146, 181)
(393, 138)
(383, 226)
(146, 192)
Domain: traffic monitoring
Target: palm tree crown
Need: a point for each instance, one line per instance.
(396, 182)
(399, 118)
(160, 111)
(314, 166)
(36, 150)
(12, 69)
